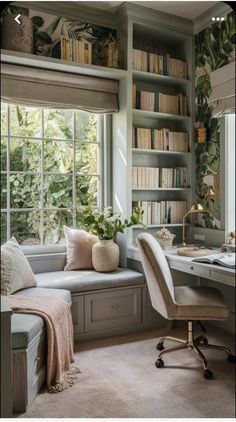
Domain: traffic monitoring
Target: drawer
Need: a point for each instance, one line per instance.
(77, 310)
(190, 268)
(112, 309)
(36, 357)
(223, 277)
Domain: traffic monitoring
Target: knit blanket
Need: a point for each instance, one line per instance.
(56, 314)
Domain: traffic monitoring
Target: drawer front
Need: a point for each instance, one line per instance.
(77, 310)
(36, 358)
(190, 268)
(112, 309)
(223, 277)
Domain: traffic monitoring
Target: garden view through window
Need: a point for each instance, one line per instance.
(50, 166)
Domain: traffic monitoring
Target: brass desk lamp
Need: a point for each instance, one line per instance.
(194, 209)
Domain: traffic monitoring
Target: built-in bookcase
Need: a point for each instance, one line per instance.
(166, 44)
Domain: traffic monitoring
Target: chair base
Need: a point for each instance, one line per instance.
(194, 344)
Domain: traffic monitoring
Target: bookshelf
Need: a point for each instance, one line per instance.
(166, 44)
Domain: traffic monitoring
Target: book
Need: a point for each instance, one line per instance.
(224, 259)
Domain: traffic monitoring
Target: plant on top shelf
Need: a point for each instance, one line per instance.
(107, 223)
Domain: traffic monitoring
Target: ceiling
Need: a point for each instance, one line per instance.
(186, 9)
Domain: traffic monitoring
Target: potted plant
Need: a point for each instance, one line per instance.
(106, 224)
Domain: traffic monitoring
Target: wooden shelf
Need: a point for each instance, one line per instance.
(139, 75)
(159, 151)
(33, 60)
(160, 189)
(157, 115)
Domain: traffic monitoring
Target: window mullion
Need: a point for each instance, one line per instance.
(8, 175)
(74, 172)
(42, 182)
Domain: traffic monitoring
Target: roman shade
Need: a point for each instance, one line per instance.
(222, 97)
(51, 89)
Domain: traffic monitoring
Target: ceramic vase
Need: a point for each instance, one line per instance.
(105, 256)
(165, 244)
(15, 36)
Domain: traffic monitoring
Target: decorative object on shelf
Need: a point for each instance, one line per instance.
(106, 224)
(17, 37)
(112, 52)
(201, 133)
(196, 208)
(164, 238)
(231, 238)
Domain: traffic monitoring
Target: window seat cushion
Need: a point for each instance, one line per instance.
(87, 280)
(25, 327)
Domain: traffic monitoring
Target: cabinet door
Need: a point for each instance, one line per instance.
(112, 309)
(77, 310)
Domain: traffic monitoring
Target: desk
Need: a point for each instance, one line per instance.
(185, 264)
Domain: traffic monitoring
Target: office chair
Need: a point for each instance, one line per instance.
(180, 303)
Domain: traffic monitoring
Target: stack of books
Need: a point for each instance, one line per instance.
(159, 64)
(156, 101)
(159, 139)
(154, 177)
(76, 50)
(161, 212)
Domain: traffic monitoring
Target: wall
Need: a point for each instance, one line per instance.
(214, 47)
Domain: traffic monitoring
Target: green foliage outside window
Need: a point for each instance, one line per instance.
(44, 167)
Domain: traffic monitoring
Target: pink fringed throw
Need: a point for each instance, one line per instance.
(56, 314)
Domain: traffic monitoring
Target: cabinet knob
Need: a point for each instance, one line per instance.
(115, 306)
(191, 268)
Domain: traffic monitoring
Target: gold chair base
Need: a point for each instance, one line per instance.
(191, 343)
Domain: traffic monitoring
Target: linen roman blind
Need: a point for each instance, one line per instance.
(54, 89)
(222, 97)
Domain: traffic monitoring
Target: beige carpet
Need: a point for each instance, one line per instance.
(119, 380)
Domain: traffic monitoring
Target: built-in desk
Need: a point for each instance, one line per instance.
(187, 265)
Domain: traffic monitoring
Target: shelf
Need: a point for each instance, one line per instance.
(157, 115)
(160, 189)
(18, 58)
(139, 75)
(159, 151)
(152, 226)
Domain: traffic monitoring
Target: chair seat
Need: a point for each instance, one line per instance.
(200, 303)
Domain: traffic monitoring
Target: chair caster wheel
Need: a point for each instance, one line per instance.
(204, 341)
(208, 374)
(231, 358)
(160, 346)
(159, 363)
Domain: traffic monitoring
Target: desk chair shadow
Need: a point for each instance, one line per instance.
(180, 303)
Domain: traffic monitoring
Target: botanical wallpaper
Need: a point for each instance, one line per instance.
(214, 48)
(47, 30)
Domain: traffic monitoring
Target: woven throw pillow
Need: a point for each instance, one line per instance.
(79, 245)
(16, 272)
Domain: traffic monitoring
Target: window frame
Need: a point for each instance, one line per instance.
(103, 171)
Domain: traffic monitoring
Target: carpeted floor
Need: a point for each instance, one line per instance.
(119, 380)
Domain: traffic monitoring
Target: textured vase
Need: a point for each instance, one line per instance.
(15, 36)
(105, 256)
(165, 244)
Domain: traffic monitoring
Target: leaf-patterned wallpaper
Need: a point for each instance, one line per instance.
(214, 48)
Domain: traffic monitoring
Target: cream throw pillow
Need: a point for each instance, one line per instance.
(16, 272)
(79, 245)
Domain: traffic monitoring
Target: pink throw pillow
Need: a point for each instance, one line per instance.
(79, 245)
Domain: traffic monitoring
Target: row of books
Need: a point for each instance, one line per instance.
(154, 177)
(157, 101)
(161, 139)
(70, 48)
(159, 64)
(161, 212)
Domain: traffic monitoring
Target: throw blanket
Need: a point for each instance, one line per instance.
(57, 317)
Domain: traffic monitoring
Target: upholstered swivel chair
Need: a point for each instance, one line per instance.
(180, 303)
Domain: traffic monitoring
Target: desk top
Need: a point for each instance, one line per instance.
(186, 264)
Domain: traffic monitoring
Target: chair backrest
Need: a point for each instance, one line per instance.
(158, 275)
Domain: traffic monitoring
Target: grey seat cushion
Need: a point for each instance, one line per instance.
(86, 280)
(26, 327)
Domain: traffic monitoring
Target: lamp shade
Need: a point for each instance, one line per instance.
(196, 207)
